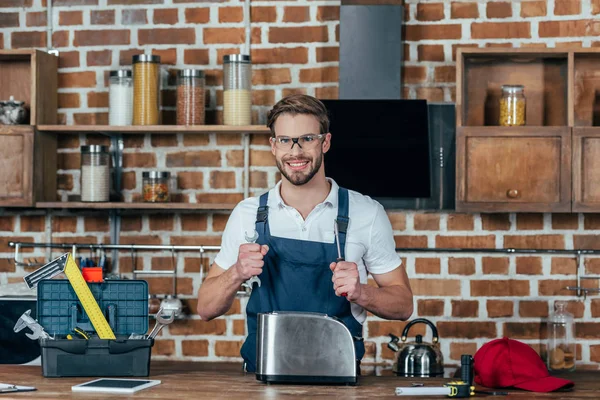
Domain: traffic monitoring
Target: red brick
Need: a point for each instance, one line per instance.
(134, 2)
(196, 57)
(97, 100)
(526, 330)
(398, 220)
(464, 10)
(330, 92)
(228, 348)
(197, 15)
(325, 74)
(458, 349)
(77, 79)
(533, 8)
(165, 16)
(68, 161)
(231, 14)
(445, 74)
(414, 74)
(95, 224)
(410, 241)
(555, 287)
(167, 36)
(430, 11)
(499, 288)
(563, 266)
(208, 158)
(222, 180)
(263, 14)
(68, 59)
(32, 223)
(530, 309)
(500, 30)
(471, 242)
(274, 76)
(460, 222)
(465, 308)
(101, 37)
(461, 266)
(99, 58)
(60, 39)
(427, 266)
(595, 307)
(435, 287)
(194, 348)
(17, 3)
(102, 17)
(430, 52)
(160, 222)
(194, 222)
(432, 94)
(7, 223)
(70, 18)
(415, 33)
(535, 241)
(261, 158)
(296, 14)
(499, 9)
(499, 308)
(495, 265)
(466, 330)
(36, 18)
(9, 19)
(586, 241)
(427, 222)
(567, 7)
(27, 39)
(595, 6)
(139, 160)
(224, 35)
(529, 265)
(565, 221)
(327, 54)
(430, 308)
(298, 34)
(328, 13)
(131, 223)
(98, 118)
(569, 28)
(383, 328)
(575, 307)
(530, 221)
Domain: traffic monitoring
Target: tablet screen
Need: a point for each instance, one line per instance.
(115, 385)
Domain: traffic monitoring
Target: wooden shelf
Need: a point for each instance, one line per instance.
(162, 129)
(136, 206)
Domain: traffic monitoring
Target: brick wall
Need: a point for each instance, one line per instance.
(471, 297)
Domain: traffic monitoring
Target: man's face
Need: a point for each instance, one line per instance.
(299, 165)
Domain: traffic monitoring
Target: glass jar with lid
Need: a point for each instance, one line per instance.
(237, 89)
(156, 186)
(190, 97)
(120, 92)
(561, 339)
(146, 89)
(512, 106)
(95, 173)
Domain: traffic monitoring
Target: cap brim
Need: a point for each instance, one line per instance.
(546, 384)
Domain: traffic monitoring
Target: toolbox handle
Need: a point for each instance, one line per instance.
(119, 347)
(70, 346)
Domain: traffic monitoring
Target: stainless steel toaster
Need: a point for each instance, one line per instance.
(300, 347)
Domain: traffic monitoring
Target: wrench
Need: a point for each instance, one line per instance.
(161, 322)
(252, 239)
(26, 321)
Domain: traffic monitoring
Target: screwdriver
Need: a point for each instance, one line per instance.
(337, 242)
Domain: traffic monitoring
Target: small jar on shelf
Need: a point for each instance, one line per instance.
(190, 97)
(120, 90)
(146, 89)
(237, 90)
(155, 186)
(95, 173)
(561, 339)
(512, 106)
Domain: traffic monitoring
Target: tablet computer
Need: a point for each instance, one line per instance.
(112, 385)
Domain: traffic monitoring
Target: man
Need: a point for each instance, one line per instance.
(295, 254)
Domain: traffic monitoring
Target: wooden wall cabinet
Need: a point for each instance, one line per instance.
(549, 165)
(27, 157)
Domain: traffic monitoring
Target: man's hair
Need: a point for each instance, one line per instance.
(299, 104)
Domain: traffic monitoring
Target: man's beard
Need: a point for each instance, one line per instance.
(299, 178)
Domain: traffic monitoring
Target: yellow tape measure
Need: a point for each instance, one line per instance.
(85, 296)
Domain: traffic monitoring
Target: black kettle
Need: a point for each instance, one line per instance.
(417, 359)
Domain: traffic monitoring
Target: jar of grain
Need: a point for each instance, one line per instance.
(95, 173)
(512, 106)
(190, 97)
(120, 92)
(146, 89)
(155, 186)
(237, 86)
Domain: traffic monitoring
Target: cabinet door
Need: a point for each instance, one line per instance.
(525, 169)
(586, 169)
(16, 165)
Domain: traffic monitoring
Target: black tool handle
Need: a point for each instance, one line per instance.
(466, 368)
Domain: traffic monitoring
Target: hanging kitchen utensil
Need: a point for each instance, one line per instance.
(171, 304)
(417, 359)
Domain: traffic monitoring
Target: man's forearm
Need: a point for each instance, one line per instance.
(216, 295)
(390, 302)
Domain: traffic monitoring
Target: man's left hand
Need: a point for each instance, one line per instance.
(346, 279)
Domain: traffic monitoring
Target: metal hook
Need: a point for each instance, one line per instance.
(133, 266)
(174, 265)
(201, 264)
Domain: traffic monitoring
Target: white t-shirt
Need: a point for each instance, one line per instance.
(369, 238)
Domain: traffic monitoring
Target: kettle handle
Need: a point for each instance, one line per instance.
(436, 338)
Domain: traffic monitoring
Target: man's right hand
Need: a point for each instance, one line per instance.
(250, 260)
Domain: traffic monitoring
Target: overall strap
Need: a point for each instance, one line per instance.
(342, 218)
(262, 214)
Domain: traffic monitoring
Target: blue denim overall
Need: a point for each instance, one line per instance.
(296, 277)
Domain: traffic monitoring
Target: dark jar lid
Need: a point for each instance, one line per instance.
(236, 58)
(139, 58)
(156, 174)
(190, 73)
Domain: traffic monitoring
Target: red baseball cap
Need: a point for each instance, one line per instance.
(509, 363)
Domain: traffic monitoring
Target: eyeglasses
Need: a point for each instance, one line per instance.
(305, 142)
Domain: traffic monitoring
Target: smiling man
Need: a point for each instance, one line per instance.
(296, 251)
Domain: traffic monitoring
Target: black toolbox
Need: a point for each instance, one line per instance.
(125, 306)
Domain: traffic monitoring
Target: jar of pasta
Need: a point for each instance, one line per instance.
(155, 186)
(512, 106)
(237, 90)
(146, 89)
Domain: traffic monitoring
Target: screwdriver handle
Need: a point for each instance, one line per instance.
(337, 261)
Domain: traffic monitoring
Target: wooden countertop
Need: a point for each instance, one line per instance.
(201, 380)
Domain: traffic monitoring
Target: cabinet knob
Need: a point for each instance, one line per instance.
(513, 193)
